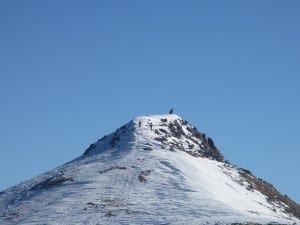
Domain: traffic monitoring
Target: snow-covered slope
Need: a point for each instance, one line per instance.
(153, 170)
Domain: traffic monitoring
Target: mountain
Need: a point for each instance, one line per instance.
(153, 170)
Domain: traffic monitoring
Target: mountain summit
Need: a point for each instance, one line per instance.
(165, 132)
(153, 170)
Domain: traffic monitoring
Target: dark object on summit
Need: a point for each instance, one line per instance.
(171, 111)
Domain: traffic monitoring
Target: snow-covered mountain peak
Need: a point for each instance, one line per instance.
(168, 131)
(153, 170)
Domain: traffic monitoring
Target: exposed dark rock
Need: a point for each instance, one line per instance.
(161, 139)
(122, 127)
(52, 182)
(109, 214)
(113, 168)
(101, 139)
(273, 195)
(106, 203)
(214, 154)
(250, 187)
(191, 146)
(198, 140)
(242, 170)
(89, 149)
(184, 122)
(251, 223)
(176, 130)
(156, 132)
(11, 215)
(93, 205)
(143, 174)
(203, 137)
(163, 131)
(114, 141)
(211, 143)
(148, 148)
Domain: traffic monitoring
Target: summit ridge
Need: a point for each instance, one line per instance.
(165, 131)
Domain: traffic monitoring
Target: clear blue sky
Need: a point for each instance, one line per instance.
(72, 71)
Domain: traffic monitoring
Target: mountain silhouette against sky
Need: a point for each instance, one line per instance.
(153, 170)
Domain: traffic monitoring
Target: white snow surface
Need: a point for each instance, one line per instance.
(138, 181)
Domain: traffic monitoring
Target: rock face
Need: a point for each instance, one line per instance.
(153, 170)
(171, 132)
